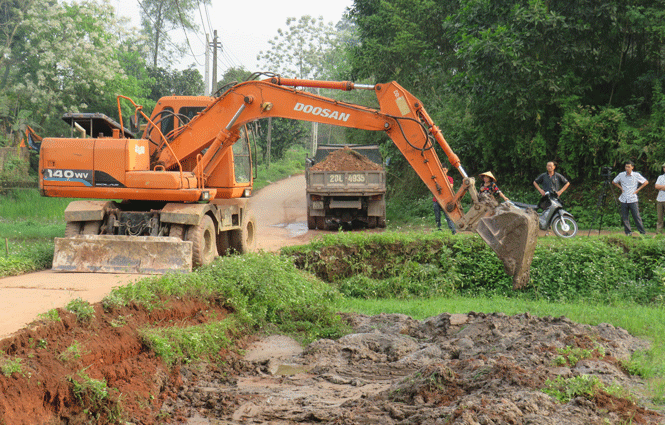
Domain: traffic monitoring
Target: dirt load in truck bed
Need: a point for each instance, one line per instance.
(345, 159)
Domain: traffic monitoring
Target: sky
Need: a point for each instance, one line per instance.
(243, 28)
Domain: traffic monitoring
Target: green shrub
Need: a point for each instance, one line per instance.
(401, 265)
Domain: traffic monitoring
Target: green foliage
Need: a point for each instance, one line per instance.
(9, 366)
(572, 355)
(51, 316)
(603, 269)
(177, 345)
(566, 389)
(507, 97)
(286, 134)
(71, 353)
(18, 204)
(188, 82)
(160, 18)
(22, 256)
(291, 164)
(82, 309)
(90, 393)
(261, 289)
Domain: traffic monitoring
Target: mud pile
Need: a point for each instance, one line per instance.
(449, 369)
(345, 159)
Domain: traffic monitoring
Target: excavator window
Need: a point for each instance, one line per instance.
(190, 112)
(242, 160)
(168, 120)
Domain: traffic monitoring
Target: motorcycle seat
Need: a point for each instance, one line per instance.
(523, 205)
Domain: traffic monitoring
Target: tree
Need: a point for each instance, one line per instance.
(63, 58)
(514, 83)
(188, 82)
(161, 17)
(300, 50)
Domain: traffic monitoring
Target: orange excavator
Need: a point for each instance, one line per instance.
(176, 196)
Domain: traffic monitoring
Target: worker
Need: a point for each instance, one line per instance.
(438, 209)
(551, 181)
(488, 186)
(630, 182)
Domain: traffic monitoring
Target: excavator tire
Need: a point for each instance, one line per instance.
(243, 240)
(512, 233)
(204, 242)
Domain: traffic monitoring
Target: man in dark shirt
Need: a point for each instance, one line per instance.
(551, 181)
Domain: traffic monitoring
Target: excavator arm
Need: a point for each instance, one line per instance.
(510, 231)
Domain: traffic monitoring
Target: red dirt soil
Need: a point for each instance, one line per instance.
(346, 159)
(111, 350)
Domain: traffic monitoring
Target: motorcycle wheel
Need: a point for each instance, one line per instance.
(559, 224)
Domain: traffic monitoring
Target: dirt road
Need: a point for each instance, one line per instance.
(280, 212)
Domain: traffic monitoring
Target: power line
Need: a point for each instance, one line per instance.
(184, 29)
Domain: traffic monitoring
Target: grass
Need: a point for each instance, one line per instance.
(184, 345)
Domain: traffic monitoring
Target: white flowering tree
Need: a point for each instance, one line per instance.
(62, 58)
(301, 50)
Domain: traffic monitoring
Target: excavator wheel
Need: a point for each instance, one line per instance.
(204, 242)
(73, 228)
(243, 240)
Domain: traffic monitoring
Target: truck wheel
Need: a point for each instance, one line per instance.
(243, 240)
(371, 222)
(321, 223)
(91, 227)
(72, 228)
(381, 222)
(204, 246)
(311, 221)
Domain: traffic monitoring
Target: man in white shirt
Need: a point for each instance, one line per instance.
(630, 182)
(660, 200)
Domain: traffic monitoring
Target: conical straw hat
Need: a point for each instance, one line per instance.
(488, 174)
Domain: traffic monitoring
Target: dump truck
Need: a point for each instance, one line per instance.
(346, 184)
(184, 182)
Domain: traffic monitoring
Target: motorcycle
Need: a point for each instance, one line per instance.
(551, 214)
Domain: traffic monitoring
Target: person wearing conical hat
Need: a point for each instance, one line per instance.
(489, 185)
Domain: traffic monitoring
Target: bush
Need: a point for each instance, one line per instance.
(603, 269)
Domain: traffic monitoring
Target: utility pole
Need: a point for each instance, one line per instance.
(207, 67)
(215, 45)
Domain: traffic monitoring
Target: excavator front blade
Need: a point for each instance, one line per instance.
(512, 233)
(122, 254)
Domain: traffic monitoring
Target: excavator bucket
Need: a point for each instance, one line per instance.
(122, 254)
(512, 233)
